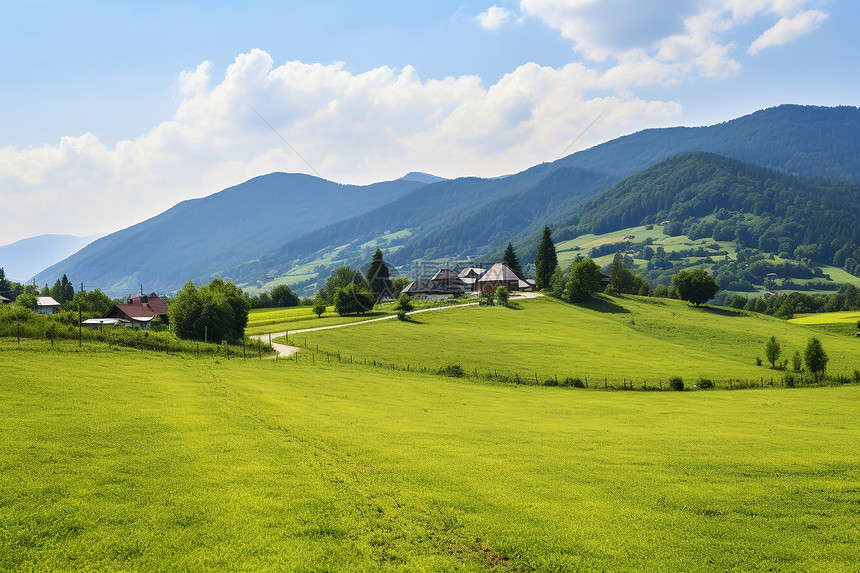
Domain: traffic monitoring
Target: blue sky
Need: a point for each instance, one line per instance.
(113, 112)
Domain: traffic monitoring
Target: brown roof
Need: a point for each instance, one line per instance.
(140, 306)
(499, 272)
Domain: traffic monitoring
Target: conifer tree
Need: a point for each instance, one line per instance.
(510, 260)
(378, 277)
(546, 261)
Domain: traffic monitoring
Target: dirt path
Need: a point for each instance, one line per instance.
(286, 350)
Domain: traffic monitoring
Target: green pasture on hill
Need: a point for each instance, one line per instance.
(634, 338)
(122, 461)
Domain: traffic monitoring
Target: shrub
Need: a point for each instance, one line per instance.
(550, 382)
(401, 315)
(857, 376)
(404, 303)
(788, 380)
(705, 383)
(757, 361)
(797, 361)
(452, 370)
(575, 382)
(676, 383)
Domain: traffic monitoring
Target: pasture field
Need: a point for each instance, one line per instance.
(634, 338)
(265, 320)
(847, 317)
(116, 460)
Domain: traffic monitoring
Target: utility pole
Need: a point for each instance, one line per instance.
(82, 287)
(80, 328)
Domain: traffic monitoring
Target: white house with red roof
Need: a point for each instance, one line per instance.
(140, 311)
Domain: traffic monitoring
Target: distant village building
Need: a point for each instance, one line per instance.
(444, 283)
(4, 300)
(500, 275)
(138, 311)
(46, 305)
(470, 274)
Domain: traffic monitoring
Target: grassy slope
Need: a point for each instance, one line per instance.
(632, 337)
(122, 461)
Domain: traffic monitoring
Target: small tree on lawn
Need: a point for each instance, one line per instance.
(404, 303)
(816, 358)
(319, 306)
(772, 350)
(696, 286)
(502, 294)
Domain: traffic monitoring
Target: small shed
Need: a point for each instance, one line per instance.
(4, 300)
(46, 305)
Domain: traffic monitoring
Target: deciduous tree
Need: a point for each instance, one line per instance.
(815, 358)
(696, 286)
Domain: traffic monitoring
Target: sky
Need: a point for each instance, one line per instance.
(112, 112)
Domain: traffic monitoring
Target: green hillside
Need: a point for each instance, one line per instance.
(702, 195)
(122, 461)
(634, 338)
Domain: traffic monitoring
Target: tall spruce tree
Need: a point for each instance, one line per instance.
(378, 277)
(546, 260)
(510, 260)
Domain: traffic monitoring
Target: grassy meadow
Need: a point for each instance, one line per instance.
(116, 460)
(639, 339)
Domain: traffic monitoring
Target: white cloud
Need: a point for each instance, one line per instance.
(495, 17)
(787, 29)
(681, 38)
(351, 127)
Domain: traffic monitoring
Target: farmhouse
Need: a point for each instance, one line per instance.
(500, 275)
(139, 311)
(471, 274)
(46, 305)
(4, 300)
(443, 284)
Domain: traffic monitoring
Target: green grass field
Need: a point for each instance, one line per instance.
(634, 338)
(122, 461)
(265, 320)
(848, 317)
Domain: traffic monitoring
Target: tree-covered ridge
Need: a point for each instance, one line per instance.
(705, 195)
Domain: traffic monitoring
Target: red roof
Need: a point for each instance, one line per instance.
(140, 306)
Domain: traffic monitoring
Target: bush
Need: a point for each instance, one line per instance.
(550, 382)
(404, 303)
(676, 383)
(401, 315)
(788, 380)
(575, 382)
(857, 376)
(452, 370)
(705, 383)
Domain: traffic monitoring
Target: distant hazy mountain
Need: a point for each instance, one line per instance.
(799, 140)
(201, 238)
(422, 177)
(22, 259)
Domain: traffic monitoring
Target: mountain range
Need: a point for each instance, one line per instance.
(22, 259)
(275, 223)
